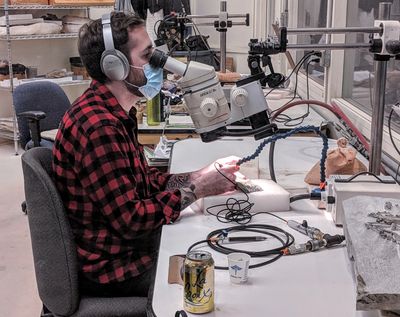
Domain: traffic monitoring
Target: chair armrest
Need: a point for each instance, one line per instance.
(34, 118)
(32, 115)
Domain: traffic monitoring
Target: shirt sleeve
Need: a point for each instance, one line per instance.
(106, 173)
(158, 180)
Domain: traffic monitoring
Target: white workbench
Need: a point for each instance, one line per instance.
(316, 284)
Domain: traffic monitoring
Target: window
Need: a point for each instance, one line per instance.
(311, 14)
(358, 80)
(349, 79)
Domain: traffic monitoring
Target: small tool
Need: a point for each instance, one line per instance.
(313, 245)
(304, 228)
(243, 239)
(319, 239)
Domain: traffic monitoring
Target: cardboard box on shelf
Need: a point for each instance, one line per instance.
(229, 63)
(80, 71)
(21, 2)
(82, 2)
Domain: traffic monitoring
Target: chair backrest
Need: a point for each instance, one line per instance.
(40, 96)
(54, 250)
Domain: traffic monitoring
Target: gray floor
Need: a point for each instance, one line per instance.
(18, 293)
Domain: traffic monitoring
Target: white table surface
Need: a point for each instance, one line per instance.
(316, 284)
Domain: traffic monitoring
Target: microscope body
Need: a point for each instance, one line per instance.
(206, 101)
(204, 98)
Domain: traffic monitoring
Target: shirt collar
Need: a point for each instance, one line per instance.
(112, 104)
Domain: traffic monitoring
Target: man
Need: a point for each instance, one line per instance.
(114, 202)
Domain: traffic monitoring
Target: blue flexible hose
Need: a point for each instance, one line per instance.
(279, 136)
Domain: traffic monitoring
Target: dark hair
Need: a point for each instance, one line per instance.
(91, 43)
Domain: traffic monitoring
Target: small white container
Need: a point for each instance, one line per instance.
(238, 267)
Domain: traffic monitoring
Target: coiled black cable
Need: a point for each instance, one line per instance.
(236, 210)
(215, 238)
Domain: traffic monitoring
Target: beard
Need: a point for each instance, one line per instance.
(135, 77)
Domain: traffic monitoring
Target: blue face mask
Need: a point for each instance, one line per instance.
(154, 78)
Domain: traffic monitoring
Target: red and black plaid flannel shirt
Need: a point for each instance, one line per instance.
(114, 201)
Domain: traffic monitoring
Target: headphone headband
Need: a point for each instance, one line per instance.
(114, 64)
(107, 32)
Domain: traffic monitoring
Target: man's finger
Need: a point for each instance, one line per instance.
(230, 168)
(229, 160)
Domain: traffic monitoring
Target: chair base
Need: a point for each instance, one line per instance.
(45, 312)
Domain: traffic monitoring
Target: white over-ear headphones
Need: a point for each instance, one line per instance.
(113, 63)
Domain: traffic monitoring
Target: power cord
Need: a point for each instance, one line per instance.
(295, 69)
(390, 128)
(300, 119)
(392, 139)
(195, 28)
(176, 38)
(236, 210)
(215, 238)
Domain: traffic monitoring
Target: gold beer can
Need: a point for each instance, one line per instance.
(198, 281)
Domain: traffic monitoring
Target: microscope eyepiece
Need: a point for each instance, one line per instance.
(161, 60)
(158, 59)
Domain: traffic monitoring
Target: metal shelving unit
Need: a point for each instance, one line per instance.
(38, 37)
(66, 84)
(6, 134)
(8, 38)
(49, 7)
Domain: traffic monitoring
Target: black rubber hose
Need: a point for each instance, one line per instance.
(271, 161)
(299, 197)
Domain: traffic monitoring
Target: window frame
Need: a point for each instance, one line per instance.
(332, 89)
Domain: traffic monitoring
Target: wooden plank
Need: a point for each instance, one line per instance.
(147, 138)
(82, 2)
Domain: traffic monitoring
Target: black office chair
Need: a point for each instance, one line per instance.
(39, 106)
(54, 250)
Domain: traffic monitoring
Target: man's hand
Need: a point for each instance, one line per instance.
(217, 178)
(206, 181)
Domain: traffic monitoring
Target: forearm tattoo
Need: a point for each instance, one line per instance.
(187, 196)
(184, 183)
(178, 181)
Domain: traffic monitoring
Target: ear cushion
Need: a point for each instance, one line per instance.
(114, 65)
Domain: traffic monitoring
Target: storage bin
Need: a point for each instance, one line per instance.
(19, 2)
(77, 67)
(18, 72)
(82, 2)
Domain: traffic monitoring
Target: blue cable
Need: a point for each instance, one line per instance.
(279, 136)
